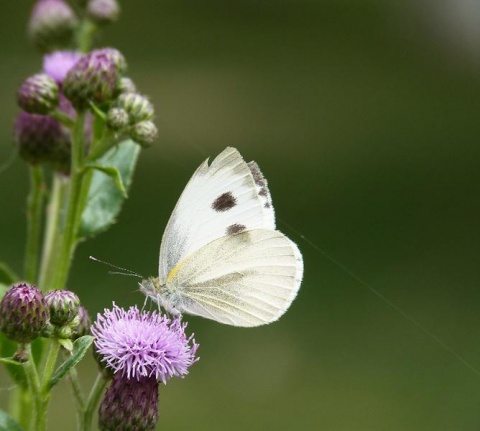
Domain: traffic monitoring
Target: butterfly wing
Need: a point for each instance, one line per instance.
(245, 279)
(228, 196)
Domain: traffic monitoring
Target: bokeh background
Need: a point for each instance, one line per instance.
(364, 117)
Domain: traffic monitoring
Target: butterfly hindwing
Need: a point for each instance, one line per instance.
(245, 279)
(228, 196)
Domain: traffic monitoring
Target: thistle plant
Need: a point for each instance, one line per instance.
(80, 128)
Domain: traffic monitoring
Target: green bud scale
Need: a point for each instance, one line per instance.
(144, 133)
(23, 313)
(38, 94)
(117, 119)
(63, 306)
(138, 107)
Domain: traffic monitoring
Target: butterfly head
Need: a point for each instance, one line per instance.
(154, 289)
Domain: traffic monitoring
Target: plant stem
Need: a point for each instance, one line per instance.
(34, 219)
(21, 406)
(86, 32)
(39, 413)
(54, 211)
(68, 238)
(92, 402)
(77, 391)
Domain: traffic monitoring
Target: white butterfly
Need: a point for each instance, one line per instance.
(221, 257)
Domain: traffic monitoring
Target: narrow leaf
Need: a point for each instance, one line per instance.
(9, 361)
(7, 275)
(80, 347)
(114, 174)
(7, 423)
(105, 198)
(8, 349)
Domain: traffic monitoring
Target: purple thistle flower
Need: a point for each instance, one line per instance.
(141, 344)
(58, 63)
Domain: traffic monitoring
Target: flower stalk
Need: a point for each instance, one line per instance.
(34, 221)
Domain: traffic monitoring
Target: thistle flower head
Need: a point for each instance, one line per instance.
(38, 94)
(138, 344)
(129, 405)
(103, 11)
(144, 133)
(63, 306)
(58, 63)
(117, 119)
(41, 138)
(94, 77)
(23, 313)
(126, 85)
(138, 107)
(52, 25)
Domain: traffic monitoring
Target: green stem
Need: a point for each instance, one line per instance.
(92, 402)
(54, 211)
(34, 219)
(86, 32)
(21, 406)
(77, 391)
(39, 413)
(68, 238)
(49, 368)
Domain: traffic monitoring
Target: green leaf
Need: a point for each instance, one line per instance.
(80, 347)
(104, 198)
(66, 343)
(10, 361)
(8, 349)
(7, 276)
(114, 174)
(7, 423)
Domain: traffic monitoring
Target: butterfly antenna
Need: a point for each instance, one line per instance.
(125, 271)
(387, 301)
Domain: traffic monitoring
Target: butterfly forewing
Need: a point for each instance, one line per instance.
(244, 279)
(224, 198)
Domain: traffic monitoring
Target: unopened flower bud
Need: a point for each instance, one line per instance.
(38, 94)
(126, 85)
(117, 119)
(129, 404)
(41, 139)
(23, 313)
(63, 306)
(103, 11)
(94, 77)
(138, 107)
(52, 25)
(144, 133)
(82, 326)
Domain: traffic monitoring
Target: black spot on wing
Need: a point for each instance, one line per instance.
(224, 202)
(263, 192)
(257, 174)
(267, 205)
(235, 228)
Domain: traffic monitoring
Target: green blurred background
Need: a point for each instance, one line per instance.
(364, 117)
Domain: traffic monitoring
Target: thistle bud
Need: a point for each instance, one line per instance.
(38, 94)
(144, 133)
(52, 25)
(129, 404)
(41, 138)
(23, 313)
(63, 306)
(103, 12)
(94, 77)
(82, 323)
(126, 85)
(117, 119)
(137, 106)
